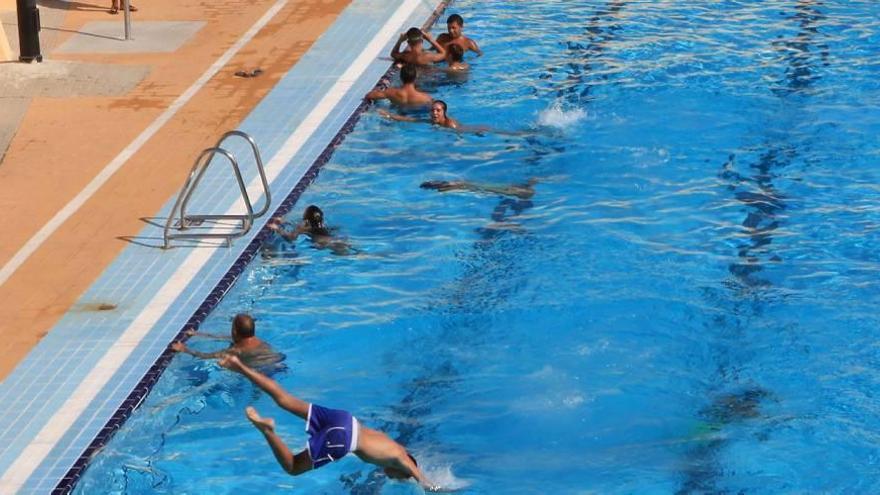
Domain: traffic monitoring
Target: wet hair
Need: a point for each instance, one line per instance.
(414, 34)
(314, 216)
(441, 103)
(455, 18)
(243, 325)
(408, 74)
(456, 52)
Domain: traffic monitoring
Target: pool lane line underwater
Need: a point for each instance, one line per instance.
(143, 388)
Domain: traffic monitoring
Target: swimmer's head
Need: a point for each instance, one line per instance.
(314, 217)
(242, 327)
(438, 111)
(397, 474)
(408, 74)
(454, 25)
(456, 53)
(414, 36)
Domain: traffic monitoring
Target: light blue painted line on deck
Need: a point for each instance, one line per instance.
(45, 379)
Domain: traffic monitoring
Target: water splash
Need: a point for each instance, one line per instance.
(561, 116)
(443, 476)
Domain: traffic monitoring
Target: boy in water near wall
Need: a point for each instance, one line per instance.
(416, 54)
(245, 344)
(438, 116)
(455, 35)
(312, 225)
(407, 95)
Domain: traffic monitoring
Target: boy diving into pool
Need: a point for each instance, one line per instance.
(333, 433)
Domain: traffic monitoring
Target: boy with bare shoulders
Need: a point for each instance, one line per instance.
(455, 35)
(416, 54)
(407, 95)
(333, 434)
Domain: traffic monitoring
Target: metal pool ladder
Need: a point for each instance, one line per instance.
(184, 221)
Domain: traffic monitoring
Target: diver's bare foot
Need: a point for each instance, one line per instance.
(230, 362)
(265, 425)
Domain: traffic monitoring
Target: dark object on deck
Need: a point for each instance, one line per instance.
(254, 73)
(28, 31)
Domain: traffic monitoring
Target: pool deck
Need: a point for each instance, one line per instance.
(100, 138)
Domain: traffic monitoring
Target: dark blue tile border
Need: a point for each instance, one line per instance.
(145, 385)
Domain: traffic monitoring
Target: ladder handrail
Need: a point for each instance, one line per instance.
(259, 161)
(186, 191)
(260, 170)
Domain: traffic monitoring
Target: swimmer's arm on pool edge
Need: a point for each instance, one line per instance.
(377, 94)
(206, 335)
(181, 347)
(290, 236)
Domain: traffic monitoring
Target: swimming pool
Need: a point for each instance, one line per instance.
(685, 305)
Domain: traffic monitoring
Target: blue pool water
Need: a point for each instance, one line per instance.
(686, 305)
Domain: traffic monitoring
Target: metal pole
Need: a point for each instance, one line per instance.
(127, 12)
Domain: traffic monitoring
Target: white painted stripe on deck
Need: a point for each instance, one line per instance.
(104, 175)
(37, 450)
